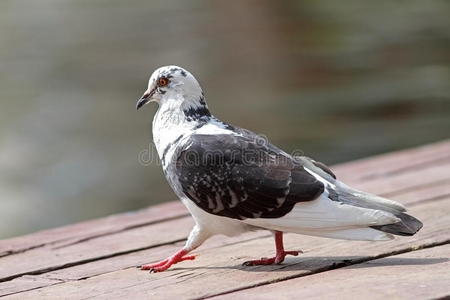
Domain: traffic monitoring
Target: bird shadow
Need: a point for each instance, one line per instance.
(328, 263)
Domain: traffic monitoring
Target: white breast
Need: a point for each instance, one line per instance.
(167, 128)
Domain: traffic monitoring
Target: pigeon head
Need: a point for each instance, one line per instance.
(174, 86)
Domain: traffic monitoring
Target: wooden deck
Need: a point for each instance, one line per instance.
(98, 258)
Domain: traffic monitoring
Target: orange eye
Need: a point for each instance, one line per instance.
(163, 81)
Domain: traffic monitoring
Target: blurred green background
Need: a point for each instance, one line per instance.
(339, 80)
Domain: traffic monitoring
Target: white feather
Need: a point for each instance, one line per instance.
(215, 224)
(324, 217)
(363, 197)
(360, 234)
(214, 127)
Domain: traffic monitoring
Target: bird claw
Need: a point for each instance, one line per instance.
(166, 263)
(293, 253)
(278, 259)
(152, 266)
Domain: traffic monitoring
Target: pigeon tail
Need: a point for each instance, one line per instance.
(407, 226)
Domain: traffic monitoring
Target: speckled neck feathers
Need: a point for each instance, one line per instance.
(178, 117)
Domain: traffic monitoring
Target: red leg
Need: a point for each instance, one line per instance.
(279, 257)
(166, 263)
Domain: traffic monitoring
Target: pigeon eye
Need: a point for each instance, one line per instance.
(163, 81)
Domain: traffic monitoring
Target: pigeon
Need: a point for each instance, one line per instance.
(232, 180)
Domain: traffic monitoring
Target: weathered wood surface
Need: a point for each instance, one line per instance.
(98, 258)
(375, 279)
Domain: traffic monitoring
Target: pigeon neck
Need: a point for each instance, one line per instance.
(196, 110)
(176, 118)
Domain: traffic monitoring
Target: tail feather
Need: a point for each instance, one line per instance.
(407, 226)
(366, 200)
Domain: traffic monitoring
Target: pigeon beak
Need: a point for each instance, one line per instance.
(147, 97)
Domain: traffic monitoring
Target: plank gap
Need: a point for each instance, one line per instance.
(437, 198)
(118, 231)
(88, 260)
(406, 169)
(334, 266)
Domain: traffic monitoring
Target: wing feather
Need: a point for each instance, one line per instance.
(245, 179)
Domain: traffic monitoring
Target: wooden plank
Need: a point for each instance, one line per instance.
(51, 260)
(361, 170)
(26, 283)
(48, 258)
(95, 268)
(221, 271)
(394, 162)
(56, 256)
(98, 267)
(79, 272)
(75, 233)
(405, 182)
(422, 274)
(432, 192)
(94, 228)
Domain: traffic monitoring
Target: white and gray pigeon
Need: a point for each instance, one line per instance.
(232, 180)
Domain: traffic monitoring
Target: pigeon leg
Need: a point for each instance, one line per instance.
(278, 258)
(195, 239)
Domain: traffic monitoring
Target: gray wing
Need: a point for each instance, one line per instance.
(316, 166)
(239, 177)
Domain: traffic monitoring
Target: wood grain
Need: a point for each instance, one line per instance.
(91, 229)
(220, 269)
(405, 276)
(60, 255)
(48, 258)
(395, 162)
(351, 172)
(98, 258)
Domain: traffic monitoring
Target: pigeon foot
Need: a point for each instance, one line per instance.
(278, 259)
(168, 262)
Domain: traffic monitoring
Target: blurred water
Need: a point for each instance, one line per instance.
(339, 81)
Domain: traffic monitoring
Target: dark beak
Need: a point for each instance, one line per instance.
(144, 99)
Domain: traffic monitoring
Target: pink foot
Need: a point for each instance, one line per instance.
(272, 260)
(166, 263)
